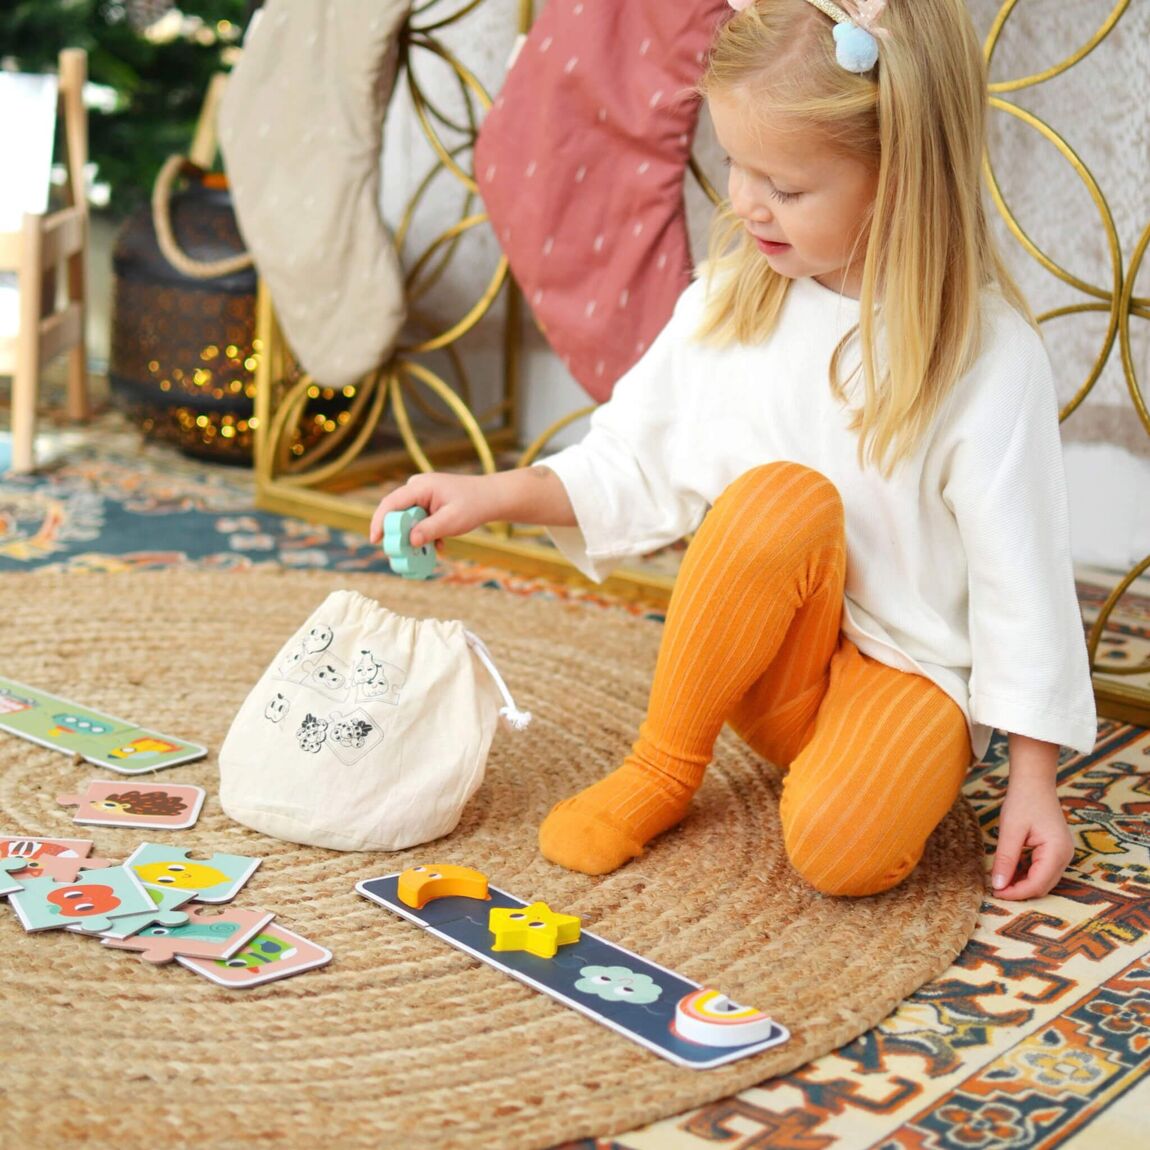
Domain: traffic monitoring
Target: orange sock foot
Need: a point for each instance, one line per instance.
(609, 823)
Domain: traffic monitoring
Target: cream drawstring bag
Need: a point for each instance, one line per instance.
(369, 731)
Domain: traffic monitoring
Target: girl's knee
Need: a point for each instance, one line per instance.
(841, 864)
(796, 480)
(781, 501)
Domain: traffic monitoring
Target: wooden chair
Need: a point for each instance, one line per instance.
(36, 252)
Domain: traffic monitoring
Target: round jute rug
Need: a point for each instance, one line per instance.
(403, 1041)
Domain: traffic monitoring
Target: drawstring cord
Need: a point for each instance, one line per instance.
(516, 718)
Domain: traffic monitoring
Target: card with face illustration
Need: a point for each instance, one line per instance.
(216, 878)
(94, 899)
(275, 952)
(104, 740)
(166, 912)
(23, 858)
(170, 806)
(210, 932)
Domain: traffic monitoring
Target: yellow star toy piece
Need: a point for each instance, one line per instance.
(536, 929)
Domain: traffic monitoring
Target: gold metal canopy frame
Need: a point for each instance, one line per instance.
(1117, 695)
(420, 403)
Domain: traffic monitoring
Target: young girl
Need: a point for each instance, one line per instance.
(852, 408)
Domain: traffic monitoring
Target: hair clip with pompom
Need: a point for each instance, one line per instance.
(856, 30)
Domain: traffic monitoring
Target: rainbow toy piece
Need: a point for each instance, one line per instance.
(410, 562)
(712, 1019)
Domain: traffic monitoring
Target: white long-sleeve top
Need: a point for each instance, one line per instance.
(958, 565)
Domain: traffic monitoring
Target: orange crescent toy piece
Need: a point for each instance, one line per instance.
(419, 885)
(712, 1019)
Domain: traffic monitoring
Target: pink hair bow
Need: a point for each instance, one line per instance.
(856, 29)
(866, 14)
(863, 14)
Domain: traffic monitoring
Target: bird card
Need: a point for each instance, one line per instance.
(19, 851)
(677, 1019)
(25, 858)
(95, 900)
(165, 912)
(210, 932)
(275, 952)
(151, 806)
(217, 878)
(97, 738)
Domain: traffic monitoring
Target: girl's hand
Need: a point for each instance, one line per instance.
(456, 504)
(1034, 842)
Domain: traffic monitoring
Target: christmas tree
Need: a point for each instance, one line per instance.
(149, 65)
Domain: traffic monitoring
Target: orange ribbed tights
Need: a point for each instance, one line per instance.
(873, 756)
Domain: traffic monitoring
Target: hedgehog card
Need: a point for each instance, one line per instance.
(162, 806)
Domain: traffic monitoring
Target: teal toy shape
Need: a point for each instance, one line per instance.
(96, 900)
(214, 879)
(410, 562)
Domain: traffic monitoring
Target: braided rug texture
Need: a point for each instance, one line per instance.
(401, 1039)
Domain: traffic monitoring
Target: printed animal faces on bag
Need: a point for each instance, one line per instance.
(348, 737)
(310, 661)
(369, 675)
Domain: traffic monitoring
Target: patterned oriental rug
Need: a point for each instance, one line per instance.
(1037, 1035)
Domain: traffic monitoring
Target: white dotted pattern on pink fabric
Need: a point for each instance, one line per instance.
(606, 117)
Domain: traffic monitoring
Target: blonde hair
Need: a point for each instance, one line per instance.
(919, 118)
